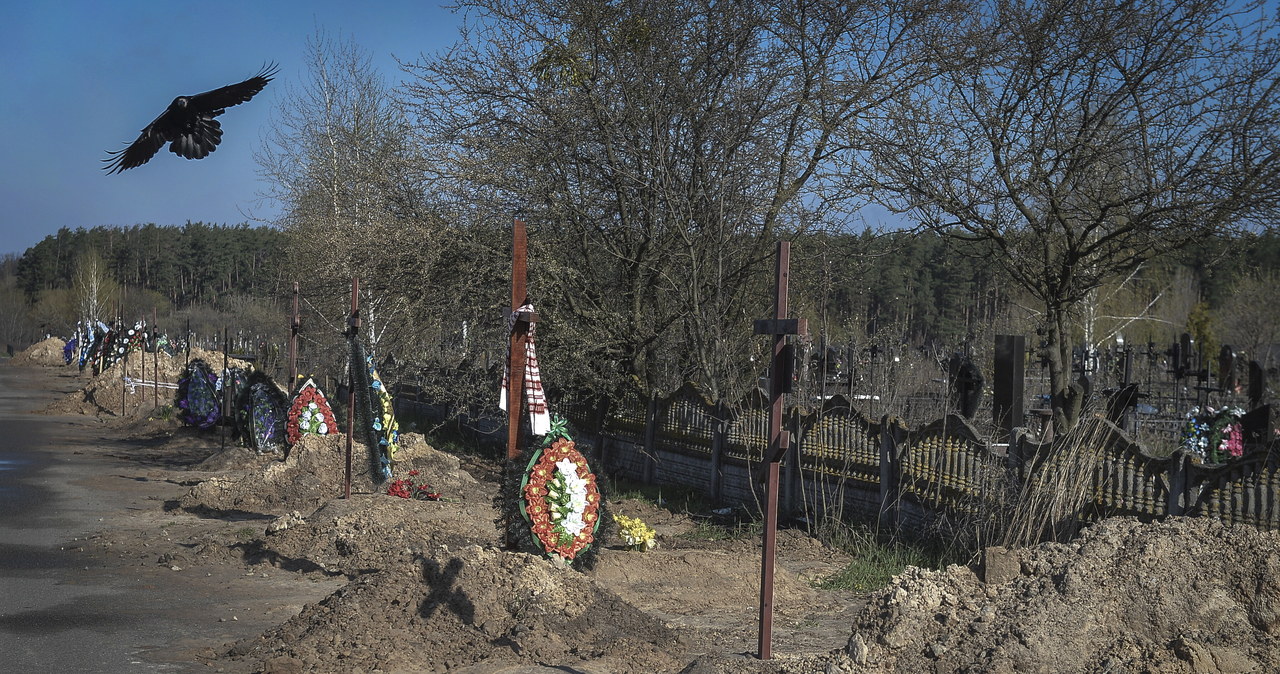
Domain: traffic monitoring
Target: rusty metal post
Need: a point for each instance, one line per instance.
(518, 338)
(155, 359)
(124, 380)
(779, 441)
(295, 325)
(353, 332)
(226, 385)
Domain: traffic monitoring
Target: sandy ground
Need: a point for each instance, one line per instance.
(92, 576)
(130, 543)
(146, 545)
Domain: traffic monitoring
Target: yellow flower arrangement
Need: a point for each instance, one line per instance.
(635, 533)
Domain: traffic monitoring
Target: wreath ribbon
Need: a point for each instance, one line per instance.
(535, 399)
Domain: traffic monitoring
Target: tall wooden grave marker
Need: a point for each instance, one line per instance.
(353, 333)
(155, 357)
(295, 325)
(519, 336)
(780, 371)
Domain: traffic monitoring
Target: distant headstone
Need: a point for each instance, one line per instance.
(1227, 368)
(1256, 425)
(966, 385)
(1257, 384)
(1008, 387)
(1120, 403)
(1185, 362)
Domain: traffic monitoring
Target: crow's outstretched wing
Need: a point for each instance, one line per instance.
(140, 151)
(188, 124)
(233, 94)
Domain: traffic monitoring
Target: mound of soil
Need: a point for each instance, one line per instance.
(1184, 595)
(47, 353)
(454, 609)
(420, 586)
(313, 474)
(128, 389)
(371, 532)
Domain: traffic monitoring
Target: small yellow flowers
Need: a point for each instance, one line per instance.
(635, 533)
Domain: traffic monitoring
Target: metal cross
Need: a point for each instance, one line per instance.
(780, 371)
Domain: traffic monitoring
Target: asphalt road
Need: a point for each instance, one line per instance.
(70, 603)
(59, 608)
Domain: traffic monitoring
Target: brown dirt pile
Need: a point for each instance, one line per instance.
(312, 475)
(454, 609)
(1186, 595)
(47, 353)
(109, 395)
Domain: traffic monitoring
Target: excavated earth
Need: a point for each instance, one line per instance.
(426, 586)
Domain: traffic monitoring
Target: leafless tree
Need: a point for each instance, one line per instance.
(93, 287)
(340, 162)
(1250, 317)
(1084, 137)
(658, 150)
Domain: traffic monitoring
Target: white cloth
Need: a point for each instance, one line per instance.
(534, 399)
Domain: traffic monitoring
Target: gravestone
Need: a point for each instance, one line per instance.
(1008, 387)
(1227, 369)
(1256, 425)
(966, 385)
(1257, 384)
(1118, 406)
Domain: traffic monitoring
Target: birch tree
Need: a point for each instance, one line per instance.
(339, 162)
(93, 287)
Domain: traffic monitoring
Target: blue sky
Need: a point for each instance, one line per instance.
(83, 77)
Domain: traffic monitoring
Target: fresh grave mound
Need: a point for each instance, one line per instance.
(120, 389)
(1183, 595)
(450, 610)
(658, 580)
(314, 473)
(47, 353)
(712, 591)
(370, 532)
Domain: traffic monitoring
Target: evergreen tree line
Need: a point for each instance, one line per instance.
(186, 264)
(922, 292)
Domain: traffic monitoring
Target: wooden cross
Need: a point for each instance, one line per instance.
(353, 332)
(295, 326)
(780, 371)
(519, 337)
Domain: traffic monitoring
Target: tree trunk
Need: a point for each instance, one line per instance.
(1064, 394)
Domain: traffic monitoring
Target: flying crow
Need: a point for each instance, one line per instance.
(188, 125)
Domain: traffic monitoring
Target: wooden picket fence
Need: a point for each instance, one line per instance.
(844, 464)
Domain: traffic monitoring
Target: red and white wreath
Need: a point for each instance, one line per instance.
(309, 413)
(560, 500)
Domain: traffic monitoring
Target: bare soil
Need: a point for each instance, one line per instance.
(425, 586)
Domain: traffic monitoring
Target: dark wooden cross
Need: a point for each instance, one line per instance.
(295, 326)
(780, 371)
(353, 332)
(519, 337)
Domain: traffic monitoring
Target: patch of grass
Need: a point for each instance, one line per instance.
(675, 498)
(710, 531)
(876, 562)
(246, 534)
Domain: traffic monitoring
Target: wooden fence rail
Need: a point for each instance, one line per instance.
(841, 462)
